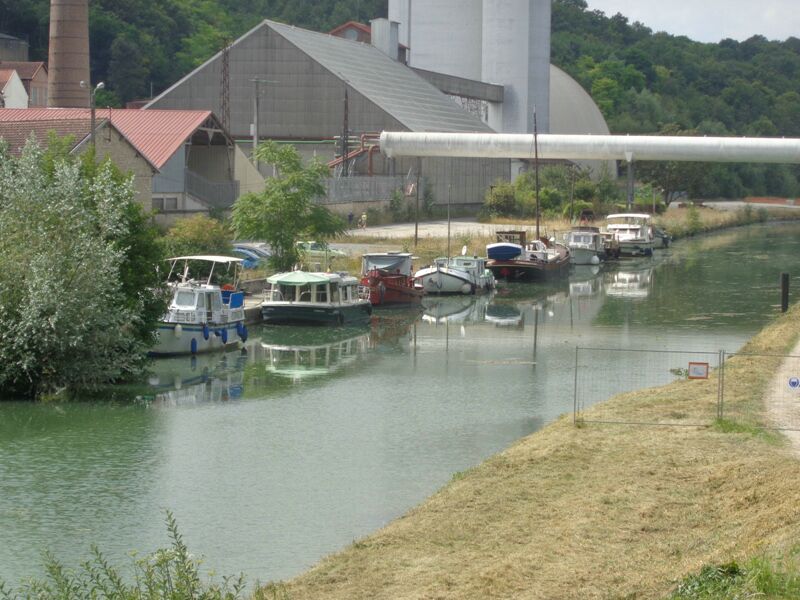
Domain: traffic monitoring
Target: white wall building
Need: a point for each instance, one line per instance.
(12, 90)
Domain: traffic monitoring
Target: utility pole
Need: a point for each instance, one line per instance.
(629, 160)
(345, 136)
(92, 93)
(255, 115)
(416, 208)
(225, 87)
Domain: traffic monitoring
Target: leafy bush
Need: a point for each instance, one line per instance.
(694, 223)
(398, 206)
(501, 200)
(198, 235)
(70, 316)
(170, 573)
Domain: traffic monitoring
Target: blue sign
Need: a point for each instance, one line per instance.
(794, 382)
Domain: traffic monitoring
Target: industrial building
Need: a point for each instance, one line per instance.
(303, 78)
(505, 43)
(475, 66)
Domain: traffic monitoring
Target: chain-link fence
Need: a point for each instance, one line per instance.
(601, 373)
(761, 390)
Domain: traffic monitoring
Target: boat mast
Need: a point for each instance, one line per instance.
(536, 167)
(448, 220)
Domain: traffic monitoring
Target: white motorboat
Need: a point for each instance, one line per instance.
(456, 275)
(633, 231)
(202, 316)
(586, 245)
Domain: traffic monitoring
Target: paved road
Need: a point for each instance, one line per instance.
(431, 229)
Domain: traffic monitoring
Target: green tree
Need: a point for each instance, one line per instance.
(286, 211)
(673, 176)
(65, 320)
(128, 70)
(198, 235)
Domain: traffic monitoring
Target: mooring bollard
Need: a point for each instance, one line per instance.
(784, 292)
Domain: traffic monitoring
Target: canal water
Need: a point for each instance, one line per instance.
(274, 457)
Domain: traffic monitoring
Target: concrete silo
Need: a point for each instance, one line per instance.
(516, 54)
(445, 36)
(400, 12)
(68, 54)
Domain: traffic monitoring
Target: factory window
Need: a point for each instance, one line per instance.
(165, 204)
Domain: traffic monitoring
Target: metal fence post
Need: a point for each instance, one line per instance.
(575, 391)
(721, 386)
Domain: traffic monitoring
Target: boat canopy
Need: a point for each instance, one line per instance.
(628, 217)
(389, 262)
(208, 258)
(302, 278)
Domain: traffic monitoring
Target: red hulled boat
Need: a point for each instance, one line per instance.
(388, 275)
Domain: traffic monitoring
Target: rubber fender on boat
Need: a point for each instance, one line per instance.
(178, 330)
(205, 331)
(242, 331)
(224, 335)
(193, 346)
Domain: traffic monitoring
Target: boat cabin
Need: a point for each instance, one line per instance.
(314, 288)
(629, 225)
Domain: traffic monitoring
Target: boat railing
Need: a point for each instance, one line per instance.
(363, 292)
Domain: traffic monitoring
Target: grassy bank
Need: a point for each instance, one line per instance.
(599, 511)
(690, 221)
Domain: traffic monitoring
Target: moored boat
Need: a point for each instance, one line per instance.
(540, 259)
(456, 275)
(202, 316)
(315, 299)
(388, 276)
(633, 231)
(586, 246)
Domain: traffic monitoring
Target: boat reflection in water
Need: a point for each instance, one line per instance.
(504, 315)
(307, 353)
(585, 282)
(454, 309)
(633, 284)
(187, 380)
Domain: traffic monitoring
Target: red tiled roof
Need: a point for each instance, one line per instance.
(5, 75)
(25, 70)
(156, 134)
(355, 25)
(16, 133)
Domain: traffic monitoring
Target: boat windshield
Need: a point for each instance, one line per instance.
(581, 239)
(185, 298)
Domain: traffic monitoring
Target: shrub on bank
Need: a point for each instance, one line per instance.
(168, 573)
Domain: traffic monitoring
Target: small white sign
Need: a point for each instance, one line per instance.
(794, 383)
(698, 370)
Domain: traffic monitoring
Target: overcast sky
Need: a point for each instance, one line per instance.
(710, 20)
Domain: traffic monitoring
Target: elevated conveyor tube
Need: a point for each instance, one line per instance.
(592, 147)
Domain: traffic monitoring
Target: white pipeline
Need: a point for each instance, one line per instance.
(592, 147)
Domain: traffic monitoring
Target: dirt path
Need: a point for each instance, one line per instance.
(783, 402)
